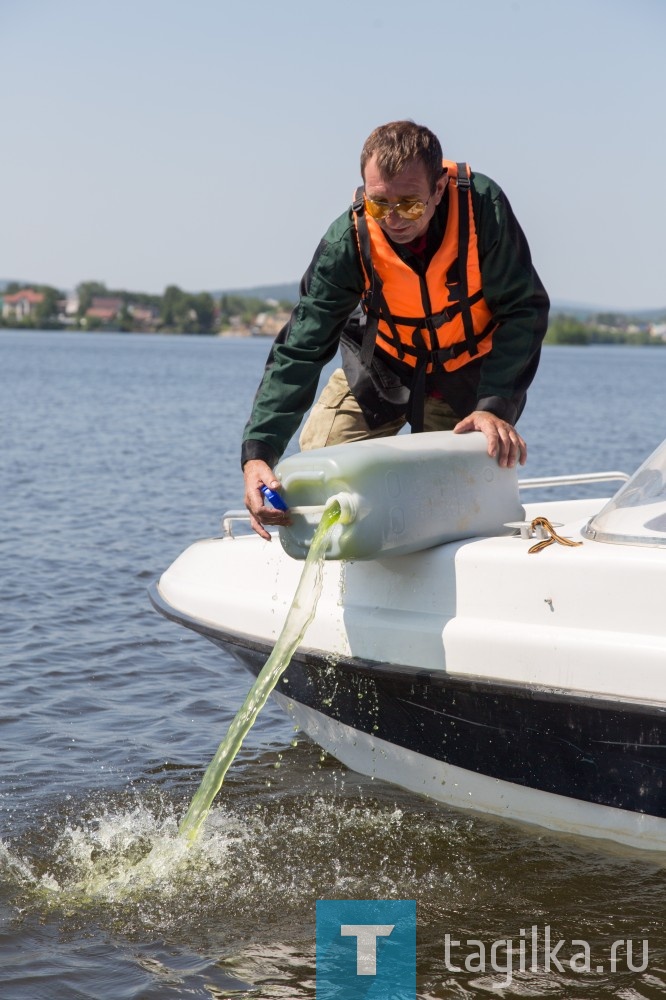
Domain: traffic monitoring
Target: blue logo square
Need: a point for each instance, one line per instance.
(366, 949)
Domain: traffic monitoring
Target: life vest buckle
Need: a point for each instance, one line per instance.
(358, 202)
(462, 181)
(441, 354)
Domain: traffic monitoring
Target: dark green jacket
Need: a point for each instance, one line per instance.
(331, 289)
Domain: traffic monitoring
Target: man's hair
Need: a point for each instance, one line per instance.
(398, 144)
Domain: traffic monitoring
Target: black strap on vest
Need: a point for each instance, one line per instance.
(424, 357)
(463, 248)
(374, 304)
(433, 319)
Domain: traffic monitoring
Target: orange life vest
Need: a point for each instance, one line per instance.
(440, 318)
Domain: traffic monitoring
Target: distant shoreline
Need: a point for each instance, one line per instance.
(236, 335)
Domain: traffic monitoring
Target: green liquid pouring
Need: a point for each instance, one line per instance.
(301, 613)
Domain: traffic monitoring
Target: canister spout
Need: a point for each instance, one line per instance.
(348, 508)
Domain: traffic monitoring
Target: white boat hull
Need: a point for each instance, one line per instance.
(526, 686)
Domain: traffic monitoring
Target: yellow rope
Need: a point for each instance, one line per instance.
(543, 522)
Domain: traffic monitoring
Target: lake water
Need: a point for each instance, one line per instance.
(117, 452)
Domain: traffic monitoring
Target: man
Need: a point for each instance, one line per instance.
(449, 332)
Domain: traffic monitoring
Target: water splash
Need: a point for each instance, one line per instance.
(120, 856)
(129, 866)
(298, 619)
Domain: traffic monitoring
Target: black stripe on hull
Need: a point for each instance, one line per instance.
(585, 748)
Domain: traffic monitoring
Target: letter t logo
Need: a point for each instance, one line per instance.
(366, 949)
(366, 944)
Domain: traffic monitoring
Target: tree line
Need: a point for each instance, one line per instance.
(175, 311)
(603, 328)
(179, 311)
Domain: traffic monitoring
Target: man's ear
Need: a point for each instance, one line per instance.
(440, 187)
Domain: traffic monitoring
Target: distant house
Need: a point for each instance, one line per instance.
(72, 304)
(104, 308)
(269, 324)
(21, 305)
(145, 316)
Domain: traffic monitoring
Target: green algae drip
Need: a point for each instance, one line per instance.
(300, 614)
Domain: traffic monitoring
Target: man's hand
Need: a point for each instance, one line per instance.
(257, 474)
(504, 442)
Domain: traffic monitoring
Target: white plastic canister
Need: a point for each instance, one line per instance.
(402, 494)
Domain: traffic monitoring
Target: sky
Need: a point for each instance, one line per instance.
(210, 143)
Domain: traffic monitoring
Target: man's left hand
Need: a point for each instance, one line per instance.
(504, 442)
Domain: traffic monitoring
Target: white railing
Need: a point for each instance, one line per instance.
(573, 480)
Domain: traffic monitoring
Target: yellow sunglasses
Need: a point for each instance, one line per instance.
(406, 208)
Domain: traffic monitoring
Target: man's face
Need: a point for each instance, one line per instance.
(412, 182)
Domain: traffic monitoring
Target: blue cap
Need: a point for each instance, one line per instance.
(274, 498)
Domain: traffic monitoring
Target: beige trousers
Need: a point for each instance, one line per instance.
(337, 418)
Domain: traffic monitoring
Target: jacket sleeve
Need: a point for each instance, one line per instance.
(518, 301)
(330, 290)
